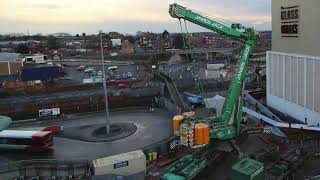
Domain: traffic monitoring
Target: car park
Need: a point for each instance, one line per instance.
(108, 78)
(129, 74)
(88, 70)
(81, 68)
(118, 77)
(93, 73)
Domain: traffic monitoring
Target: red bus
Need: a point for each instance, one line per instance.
(26, 140)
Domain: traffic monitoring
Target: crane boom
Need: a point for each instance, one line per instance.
(180, 12)
(247, 35)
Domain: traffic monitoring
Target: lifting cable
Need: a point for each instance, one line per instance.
(188, 48)
(188, 35)
(185, 46)
(193, 70)
(182, 34)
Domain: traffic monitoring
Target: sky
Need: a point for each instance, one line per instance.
(124, 16)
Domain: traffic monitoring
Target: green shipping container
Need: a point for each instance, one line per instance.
(248, 169)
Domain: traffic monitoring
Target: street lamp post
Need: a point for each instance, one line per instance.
(105, 87)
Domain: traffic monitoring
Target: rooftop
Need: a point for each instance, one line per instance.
(9, 56)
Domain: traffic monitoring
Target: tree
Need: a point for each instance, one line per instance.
(40, 48)
(115, 35)
(131, 39)
(139, 33)
(21, 48)
(77, 36)
(84, 40)
(52, 43)
(165, 34)
(38, 37)
(178, 41)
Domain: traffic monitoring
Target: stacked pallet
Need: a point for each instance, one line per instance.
(187, 134)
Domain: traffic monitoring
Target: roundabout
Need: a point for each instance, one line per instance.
(97, 132)
(82, 137)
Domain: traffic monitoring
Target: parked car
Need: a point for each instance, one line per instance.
(118, 77)
(122, 86)
(99, 73)
(129, 74)
(88, 70)
(81, 68)
(108, 78)
(124, 76)
(66, 78)
(94, 72)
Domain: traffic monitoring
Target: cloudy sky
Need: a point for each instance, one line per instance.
(125, 16)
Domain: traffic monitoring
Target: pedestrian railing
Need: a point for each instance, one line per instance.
(46, 168)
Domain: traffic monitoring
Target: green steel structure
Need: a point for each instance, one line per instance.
(228, 125)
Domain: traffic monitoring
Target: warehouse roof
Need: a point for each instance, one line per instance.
(10, 77)
(9, 56)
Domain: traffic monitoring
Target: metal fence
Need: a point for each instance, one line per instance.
(46, 169)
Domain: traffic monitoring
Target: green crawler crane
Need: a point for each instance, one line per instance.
(228, 125)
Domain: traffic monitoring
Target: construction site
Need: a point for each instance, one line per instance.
(240, 112)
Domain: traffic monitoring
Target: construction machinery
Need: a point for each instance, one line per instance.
(221, 128)
(172, 88)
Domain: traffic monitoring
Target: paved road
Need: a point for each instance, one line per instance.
(56, 96)
(78, 76)
(152, 127)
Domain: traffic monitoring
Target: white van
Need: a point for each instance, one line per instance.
(35, 59)
(113, 68)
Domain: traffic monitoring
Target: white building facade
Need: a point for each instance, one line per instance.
(293, 65)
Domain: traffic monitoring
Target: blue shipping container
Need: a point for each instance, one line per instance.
(46, 73)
